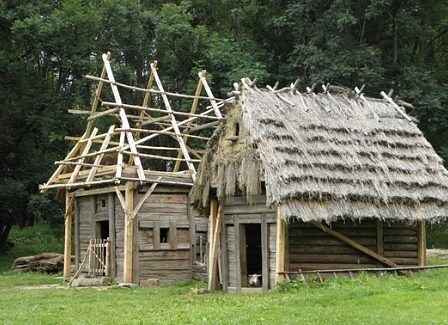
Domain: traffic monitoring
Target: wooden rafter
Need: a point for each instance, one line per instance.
(124, 119)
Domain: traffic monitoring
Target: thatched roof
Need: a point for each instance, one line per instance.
(326, 156)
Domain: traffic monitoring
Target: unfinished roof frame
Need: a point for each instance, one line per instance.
(85, 167)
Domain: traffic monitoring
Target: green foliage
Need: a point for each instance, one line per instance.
(31, 241)
(46, 47)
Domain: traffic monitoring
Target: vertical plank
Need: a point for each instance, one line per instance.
(224, 258)
(192, 234)
(111, 213)
(243, 255)
(68, 235)
(92, 216)
(76, 233)
(280, 246)
(421, 243)
(264, 253)
(211, 227)
(236, 227)
(173, 235)
(135, 241)
(380, 237)
(128, 234)
(215, 249)
(156, 235)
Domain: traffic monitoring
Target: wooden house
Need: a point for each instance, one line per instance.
(316, 181)
(127, 181)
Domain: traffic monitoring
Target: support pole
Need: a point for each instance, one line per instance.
(215, 250)
(280, 251)
(128, 233)
(211, 227)
(421, 243)
(68, 235)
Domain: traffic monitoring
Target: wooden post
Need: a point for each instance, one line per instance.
(211, 227)
(264, 253)
(68, 235)
(421, 243)
(215, 250)
(280, 251)
(128, 233)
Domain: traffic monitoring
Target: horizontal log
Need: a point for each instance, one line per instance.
(144, 155)
(327, 266)
(294, 249)
(400, 254)
(329, 241)
(313, 232)
(163, 133)
(400, 232)
(325, 258)
(399, 247)
(400, 239)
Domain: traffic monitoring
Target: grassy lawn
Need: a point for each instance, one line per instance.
(366, 300)
(421, 299)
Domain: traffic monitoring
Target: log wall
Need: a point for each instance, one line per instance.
(310, 248)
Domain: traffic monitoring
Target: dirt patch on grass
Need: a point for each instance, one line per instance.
(437, 253)
(43, 286)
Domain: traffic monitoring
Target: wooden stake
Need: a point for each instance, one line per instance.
(280, 251)
(215, 250)
(68, 235)
(128, 234)
(421, 243)
(210, 94)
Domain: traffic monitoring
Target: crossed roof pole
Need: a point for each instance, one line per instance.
(85, 165)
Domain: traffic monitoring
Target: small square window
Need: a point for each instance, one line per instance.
(164, 233)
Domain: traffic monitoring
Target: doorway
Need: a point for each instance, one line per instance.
(102, 229)
(251, 255)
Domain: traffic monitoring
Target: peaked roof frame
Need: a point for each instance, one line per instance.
(129, 142)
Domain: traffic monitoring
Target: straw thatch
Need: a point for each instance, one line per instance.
(324, 157)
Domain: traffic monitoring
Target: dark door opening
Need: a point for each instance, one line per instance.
(253, 254)
(102, 229)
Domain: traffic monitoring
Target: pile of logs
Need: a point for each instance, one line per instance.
(44, 262)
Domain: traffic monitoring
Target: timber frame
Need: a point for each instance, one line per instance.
(145, 143)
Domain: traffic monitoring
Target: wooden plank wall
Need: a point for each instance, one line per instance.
(169, 262)
(310, 248)
(239, 211)
(84, 223)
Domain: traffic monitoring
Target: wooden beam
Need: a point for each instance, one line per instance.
(81, 160)
(96, 99)
(68, 235)
(124, 119)
(160, 91)
(264, 253)
(100, 156)
(280, 246)
(421, 243)
(237, 244)
(353, 244)
(211, 227)
(144, 198)
(174, 124)
(215, 249)
(192, 111)
(224, 258)
(211, 97)
(128, 234)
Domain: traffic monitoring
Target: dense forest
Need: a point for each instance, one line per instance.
(46, 47)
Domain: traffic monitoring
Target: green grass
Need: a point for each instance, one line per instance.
(31, 241)
(421, 299)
